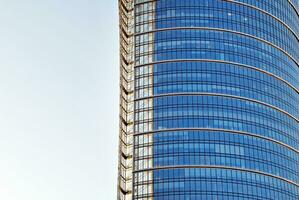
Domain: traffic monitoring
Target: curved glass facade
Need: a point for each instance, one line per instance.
(216, 100)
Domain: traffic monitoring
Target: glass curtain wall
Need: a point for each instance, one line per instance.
(216, 100)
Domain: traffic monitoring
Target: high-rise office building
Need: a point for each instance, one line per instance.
(209, 100)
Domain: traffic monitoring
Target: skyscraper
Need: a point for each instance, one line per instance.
(209, 100)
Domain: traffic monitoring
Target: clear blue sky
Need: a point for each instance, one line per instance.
(58, 99)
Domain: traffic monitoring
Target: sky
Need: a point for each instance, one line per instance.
(58, 99)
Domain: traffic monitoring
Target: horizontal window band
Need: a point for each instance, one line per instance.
(224, 30)
(218, 130)
(215, 167)
(154, 1)
(224, 62)
(219, 95)
(289, 101)
(259, 9)
(267, 13)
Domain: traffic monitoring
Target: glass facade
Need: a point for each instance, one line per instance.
(216, 100)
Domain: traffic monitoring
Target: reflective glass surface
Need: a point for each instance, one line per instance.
(216, 99)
